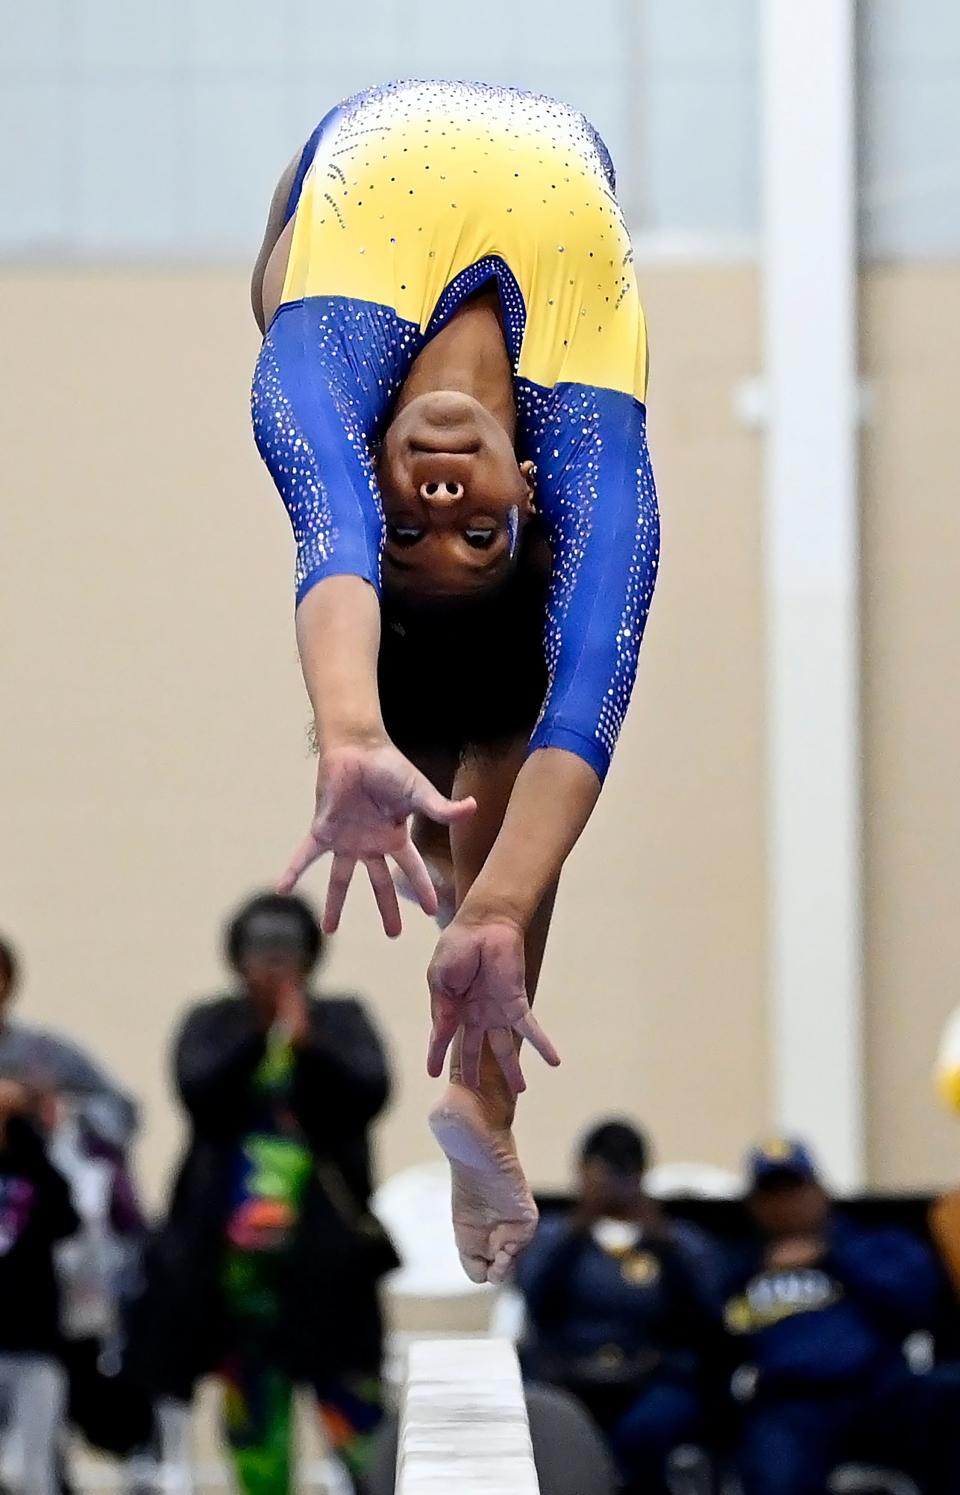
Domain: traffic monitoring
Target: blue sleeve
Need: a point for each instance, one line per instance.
(325, 380)
(889, 1272)
(596, 491)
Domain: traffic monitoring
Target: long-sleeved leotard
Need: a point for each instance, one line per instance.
(409, 198)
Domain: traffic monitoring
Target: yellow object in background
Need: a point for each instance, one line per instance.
(947, 1072)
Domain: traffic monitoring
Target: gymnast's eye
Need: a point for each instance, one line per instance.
(479, 539)
(404, 535)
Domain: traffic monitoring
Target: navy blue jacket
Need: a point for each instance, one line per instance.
(840, 1320)
(652, 1304)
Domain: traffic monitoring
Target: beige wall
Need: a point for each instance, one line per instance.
(911, 685)
(153, 766)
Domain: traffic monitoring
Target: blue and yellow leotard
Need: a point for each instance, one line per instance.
(408, 198)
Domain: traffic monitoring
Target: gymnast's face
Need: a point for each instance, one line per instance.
(455, 499)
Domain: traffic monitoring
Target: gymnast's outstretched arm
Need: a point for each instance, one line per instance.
(479, 978)
(366, 789)
(338, 635)
(600, 504)
(552, 800)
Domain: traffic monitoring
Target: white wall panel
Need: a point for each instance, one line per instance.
(310, 36)
(229, 185)
(31, 165)
(119, 35)
(910, 166)
(126, 163)
(308, 94)
(462, 43)
(226, 34)
(701, 169)
(906, 34)
(568, 34)
(31, 35)
(201, 87)
(701, 32)
(910, 128)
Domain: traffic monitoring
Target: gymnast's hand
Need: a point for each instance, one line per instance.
(366, 794)
(477, 984)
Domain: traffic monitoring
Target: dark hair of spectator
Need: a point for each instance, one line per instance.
(284, 906)
(619, 1145)
(9, 964)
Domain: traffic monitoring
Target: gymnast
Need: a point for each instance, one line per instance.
(449, 398)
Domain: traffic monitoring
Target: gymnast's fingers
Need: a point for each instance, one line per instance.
(471, 1053)
(385, 892)
(305, 855)
(503, 1046)
(426, 800)
(442, 1034)
(412, 865)
(340, 875)
(530, 1029)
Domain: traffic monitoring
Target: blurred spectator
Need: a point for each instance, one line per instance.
(90, 1124)
(619, 1311)
(824, 1308)
(61, 1068)
(35, 1213)
(266, 1270)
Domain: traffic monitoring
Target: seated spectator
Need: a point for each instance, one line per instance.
(35, 1213)
(823, 1308)
(266, 1270)
(90, 1123)
(618, 1310)
(60, 1067)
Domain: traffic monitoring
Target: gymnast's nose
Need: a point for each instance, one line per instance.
(441, 495)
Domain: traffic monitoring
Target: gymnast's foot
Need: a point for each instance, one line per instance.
(443, 886)
(494, 1215)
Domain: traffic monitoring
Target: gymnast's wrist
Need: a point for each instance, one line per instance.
(331, 733)
(489, 905)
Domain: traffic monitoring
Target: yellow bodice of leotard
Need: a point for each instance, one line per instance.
(423, 181)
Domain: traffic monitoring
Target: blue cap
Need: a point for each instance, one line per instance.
(778, 1156)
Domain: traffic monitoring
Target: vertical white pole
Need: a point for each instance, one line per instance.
(809, 278)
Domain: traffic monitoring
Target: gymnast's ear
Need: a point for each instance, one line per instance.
(528, 472)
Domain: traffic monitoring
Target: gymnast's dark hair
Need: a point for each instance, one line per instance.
(9, 964)
(458, 675)
(286, 906)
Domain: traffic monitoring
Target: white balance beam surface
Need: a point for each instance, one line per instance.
(463, 1421)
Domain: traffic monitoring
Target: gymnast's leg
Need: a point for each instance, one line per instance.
(493, 1210)
(433, 840)
(266, 281)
